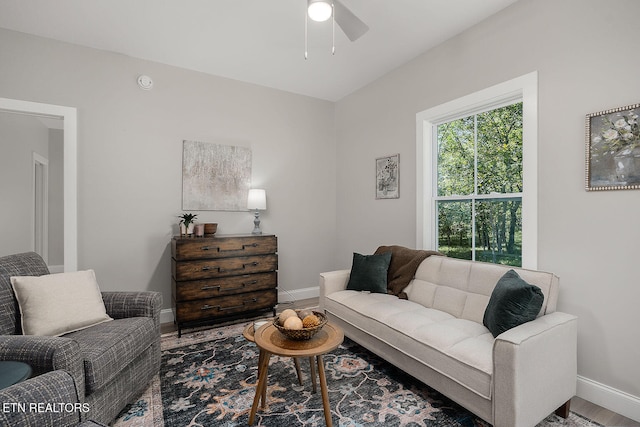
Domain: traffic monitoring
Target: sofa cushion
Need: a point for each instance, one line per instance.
(56, 304)
(458, 348)
(369, 272)
(109, 347)
(476, 280)
(512, 303)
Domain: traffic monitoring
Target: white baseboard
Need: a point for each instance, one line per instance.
(298, 294)
(608, 397)
(166, 315)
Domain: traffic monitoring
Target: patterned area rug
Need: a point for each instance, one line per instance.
(208, 378)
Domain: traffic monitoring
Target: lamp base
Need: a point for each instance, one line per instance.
(256, 223)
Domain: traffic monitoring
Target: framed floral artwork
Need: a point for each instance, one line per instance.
(613, 149)
(388, 177)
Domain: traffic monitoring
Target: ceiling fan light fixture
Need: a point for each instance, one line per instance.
(319, 10)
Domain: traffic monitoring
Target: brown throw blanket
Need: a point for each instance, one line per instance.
(403, 266)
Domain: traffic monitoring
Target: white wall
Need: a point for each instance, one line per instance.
(20, 136)
(586, 54)
(130, 157)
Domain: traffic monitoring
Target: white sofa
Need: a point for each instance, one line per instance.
(437, 335)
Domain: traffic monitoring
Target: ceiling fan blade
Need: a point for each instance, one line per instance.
(352, 26)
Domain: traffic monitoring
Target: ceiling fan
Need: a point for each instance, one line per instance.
(351, 25)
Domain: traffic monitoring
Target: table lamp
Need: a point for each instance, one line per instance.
(257, 200)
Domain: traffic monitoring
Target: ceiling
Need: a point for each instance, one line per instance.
(255, 41)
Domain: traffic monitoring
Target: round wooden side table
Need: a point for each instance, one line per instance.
(270, 341)
(249, 334)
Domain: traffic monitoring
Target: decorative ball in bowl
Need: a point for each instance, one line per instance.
(299, 325)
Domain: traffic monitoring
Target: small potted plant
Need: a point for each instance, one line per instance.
(187, 223)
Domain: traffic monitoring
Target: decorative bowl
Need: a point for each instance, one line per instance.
(304, 333)
(210, 229)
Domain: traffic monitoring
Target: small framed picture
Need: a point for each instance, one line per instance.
(388, 177)
(613, 149)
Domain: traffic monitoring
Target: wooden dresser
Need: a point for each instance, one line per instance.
(215, 278)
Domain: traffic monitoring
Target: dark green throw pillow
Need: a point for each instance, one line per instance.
(512, 303)
(369, 273)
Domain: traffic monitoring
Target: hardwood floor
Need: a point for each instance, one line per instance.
(600, 414)
(578, 405)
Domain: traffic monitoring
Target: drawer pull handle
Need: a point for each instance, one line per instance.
(209, 307)
(253, 282)
(206, 268)
(208, 288)
(206, 248)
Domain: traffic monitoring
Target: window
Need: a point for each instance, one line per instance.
(477, 175)
(478, 194)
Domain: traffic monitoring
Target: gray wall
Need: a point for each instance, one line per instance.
(130, 157)
(587, 59)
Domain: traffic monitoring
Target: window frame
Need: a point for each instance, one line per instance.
(523, 88)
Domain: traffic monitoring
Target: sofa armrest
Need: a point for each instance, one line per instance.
(534, 369)
(50, 399)
(121, 305)
(332, 281)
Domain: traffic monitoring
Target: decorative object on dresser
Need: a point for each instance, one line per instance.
(222, 277)
(187, 223)
(210, 229)
(257, 200)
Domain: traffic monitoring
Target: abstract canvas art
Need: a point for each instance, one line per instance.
(215, 177)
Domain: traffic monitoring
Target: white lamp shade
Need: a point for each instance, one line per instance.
(257, 199)
(319, 10)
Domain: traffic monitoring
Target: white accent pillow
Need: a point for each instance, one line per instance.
(56, 304)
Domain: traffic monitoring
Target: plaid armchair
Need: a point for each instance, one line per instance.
(110, 363)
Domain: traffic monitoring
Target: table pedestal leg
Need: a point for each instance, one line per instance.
(261, 387)
(296, 362)
(325, 392)
(312, 364)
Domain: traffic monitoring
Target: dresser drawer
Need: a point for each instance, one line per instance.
(222, 247)
(222, 267)
(224, 306)
(199, 289)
